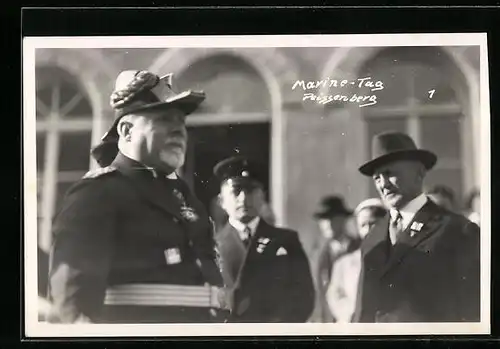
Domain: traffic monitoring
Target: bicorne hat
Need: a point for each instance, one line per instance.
(393, 146)
(139, 91)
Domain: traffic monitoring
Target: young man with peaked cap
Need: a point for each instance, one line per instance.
(420, 262)
(132, 243)
(265, 269)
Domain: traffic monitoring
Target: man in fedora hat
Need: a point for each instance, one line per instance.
(421, 262)
(264, 267)
(132, 244)
(332, 219)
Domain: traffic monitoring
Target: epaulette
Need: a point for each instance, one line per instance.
(99, 172)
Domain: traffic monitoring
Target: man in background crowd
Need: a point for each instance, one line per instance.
(332, 219)
(132, 242)
(342, 291)
(265, 268)
(421, 262)
(443, 196)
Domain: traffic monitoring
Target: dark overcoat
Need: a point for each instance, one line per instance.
(123, 225)
(270, 280)
(432, 274)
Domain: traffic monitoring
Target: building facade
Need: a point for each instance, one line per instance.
(255, 106)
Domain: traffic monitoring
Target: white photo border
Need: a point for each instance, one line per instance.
(33, 328)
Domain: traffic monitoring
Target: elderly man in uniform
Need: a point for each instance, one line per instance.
(421, 261)
(264, 267)
(132, 242)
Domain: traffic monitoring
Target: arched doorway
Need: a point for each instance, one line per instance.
(234, 119)
(278, 73)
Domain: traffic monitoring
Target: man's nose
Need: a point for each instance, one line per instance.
(242, 196)
(383, 181)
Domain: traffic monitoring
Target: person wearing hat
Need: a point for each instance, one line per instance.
(342, 291)
(367, 214)
(265, 268)
(421, 261)
(132, 244)
(332, 219)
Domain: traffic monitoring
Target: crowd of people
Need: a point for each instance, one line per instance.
(339, 257)
(133, 243)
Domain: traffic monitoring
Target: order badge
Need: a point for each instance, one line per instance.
(173, 256)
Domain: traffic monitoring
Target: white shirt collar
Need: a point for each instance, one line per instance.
(240, 227)
(410, 209)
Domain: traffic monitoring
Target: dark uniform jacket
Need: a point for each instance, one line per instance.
(430, 277)
(123, 225)
(270, 281)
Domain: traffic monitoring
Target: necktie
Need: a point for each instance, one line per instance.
(246, 235)
(395, 228)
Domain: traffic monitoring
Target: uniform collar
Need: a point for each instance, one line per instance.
(130, 163)
(240, 227)
(410, 209)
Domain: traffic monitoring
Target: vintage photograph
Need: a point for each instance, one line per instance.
(325, 184)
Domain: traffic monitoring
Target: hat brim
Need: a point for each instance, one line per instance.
(187, 102)
(427, 158)
(330, 214)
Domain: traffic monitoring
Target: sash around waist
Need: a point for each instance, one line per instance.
(163, 295)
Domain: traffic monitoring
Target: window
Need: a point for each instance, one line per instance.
(405, 104)
(64, 128)
(234, 119)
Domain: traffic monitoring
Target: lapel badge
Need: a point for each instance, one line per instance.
(261, 247)
(415, 228)
(172, 256)
(264, 241)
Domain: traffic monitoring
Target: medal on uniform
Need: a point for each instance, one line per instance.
(172, 256)
(188, 213)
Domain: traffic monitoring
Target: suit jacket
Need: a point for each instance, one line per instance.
(115, 228)
(270, 281)
(430, 277)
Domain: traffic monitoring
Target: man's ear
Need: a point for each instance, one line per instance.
(124, 127)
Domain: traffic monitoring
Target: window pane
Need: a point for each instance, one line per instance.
(74, 151)
(452, 178)
(40, 152)
(55, 85)
(429, 78)
(441, 134)
(70, 93)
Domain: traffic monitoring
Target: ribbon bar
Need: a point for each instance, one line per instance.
(163, 295)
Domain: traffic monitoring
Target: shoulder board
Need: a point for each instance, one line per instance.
(99, 172)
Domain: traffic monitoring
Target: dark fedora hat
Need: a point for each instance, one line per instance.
(332, 206)
(393, 146)
(140, 91)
